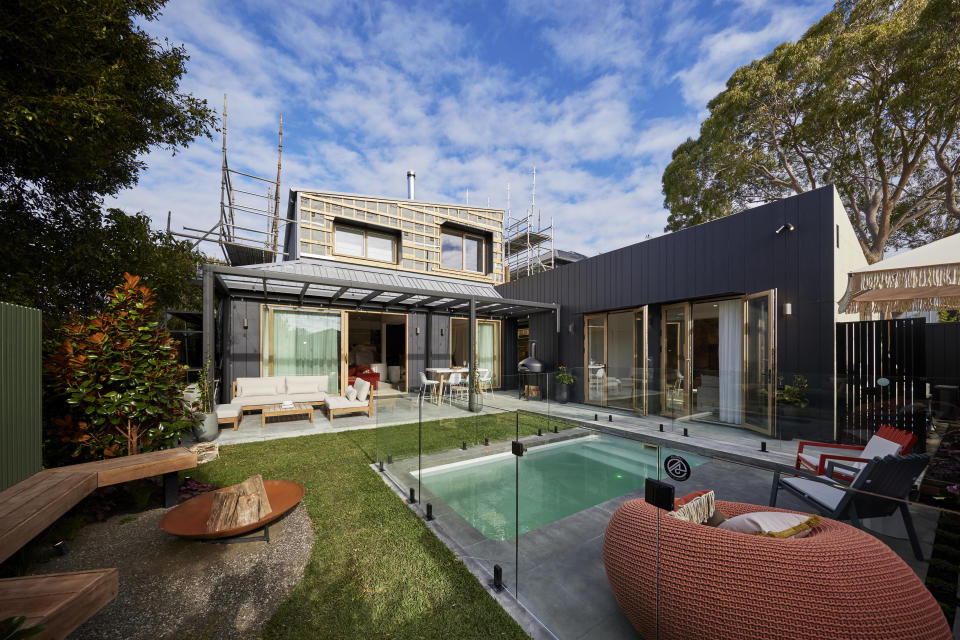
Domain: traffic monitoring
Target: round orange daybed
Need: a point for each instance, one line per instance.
(839, 582)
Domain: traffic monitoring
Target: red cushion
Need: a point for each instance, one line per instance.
(690, 497)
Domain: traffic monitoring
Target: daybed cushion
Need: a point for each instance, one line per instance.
(772, 524)
(339, 402)
(363, 389)
(273, 385)
(351, 394)
(306, 384)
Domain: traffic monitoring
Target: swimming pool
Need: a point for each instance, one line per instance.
(554, 481)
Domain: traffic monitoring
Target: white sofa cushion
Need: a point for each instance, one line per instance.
(339, 402)
(306, 384)
(363, 389)
(228, 410)
(315, 398)
(273, 385)
(351, 393)
(247, 401)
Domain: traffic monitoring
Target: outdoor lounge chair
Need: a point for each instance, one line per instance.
(886, 441)
(877, 490)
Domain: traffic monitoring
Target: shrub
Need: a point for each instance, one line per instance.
(118, 376)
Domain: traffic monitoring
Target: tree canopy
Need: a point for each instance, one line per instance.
(867, 100)
(67, 263)
(85, 92)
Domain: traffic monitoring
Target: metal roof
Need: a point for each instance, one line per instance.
(338, 284)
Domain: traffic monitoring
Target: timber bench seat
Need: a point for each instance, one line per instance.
(64, 601)
(59, 601)
(30, 506)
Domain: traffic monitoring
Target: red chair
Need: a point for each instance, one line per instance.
(886, 441)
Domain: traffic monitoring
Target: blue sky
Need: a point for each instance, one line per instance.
(469, 95)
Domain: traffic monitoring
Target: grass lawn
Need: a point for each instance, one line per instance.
(376, 570)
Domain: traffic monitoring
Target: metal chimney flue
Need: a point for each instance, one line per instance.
(411, 176)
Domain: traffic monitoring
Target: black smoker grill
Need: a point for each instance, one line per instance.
(529, 374)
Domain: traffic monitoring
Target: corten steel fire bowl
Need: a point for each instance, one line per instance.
(189, 520)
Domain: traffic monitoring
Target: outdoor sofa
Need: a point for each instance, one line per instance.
(257, 393)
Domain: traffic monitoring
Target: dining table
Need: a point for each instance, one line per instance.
(441, 373)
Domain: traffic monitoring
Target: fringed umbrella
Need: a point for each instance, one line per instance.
(924, 279)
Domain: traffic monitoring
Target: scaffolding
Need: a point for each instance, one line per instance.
(248, 231)
(528, 245)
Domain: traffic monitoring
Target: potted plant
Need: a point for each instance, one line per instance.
(791, 402)
(206, 428)
(564, 380)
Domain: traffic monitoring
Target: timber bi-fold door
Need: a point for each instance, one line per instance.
(759, 361)
(675, 360)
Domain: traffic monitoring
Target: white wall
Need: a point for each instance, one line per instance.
(847, 256)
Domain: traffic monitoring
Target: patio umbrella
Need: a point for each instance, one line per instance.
(923, 279)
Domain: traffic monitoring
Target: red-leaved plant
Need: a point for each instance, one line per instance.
(118, 374)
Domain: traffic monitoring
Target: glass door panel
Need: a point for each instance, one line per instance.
(297, 342)
(641, 367)
(758, 362)
(488, 352)
(595, 356)
(675, 367)
(618, 380)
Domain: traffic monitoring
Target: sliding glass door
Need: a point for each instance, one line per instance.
(487, 347)
(301, 342)
(488, 350)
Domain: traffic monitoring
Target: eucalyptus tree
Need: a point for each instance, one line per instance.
(867, 100)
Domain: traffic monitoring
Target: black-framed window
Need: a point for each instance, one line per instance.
(360, 242)
(462, 251)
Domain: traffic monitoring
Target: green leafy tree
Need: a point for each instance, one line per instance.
(85, 93)
(66, 266)
(117, 375)
(867, 100)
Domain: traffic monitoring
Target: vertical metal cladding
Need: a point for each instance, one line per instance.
(20, 389)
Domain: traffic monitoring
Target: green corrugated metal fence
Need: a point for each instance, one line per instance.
(20, 389)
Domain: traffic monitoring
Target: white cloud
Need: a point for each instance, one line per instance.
(370, 91)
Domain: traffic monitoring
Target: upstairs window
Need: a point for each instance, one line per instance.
(364, 243)
(462, 251)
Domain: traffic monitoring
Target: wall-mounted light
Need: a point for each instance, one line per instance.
(570, 328)
(786, 227)
(787, 310)
(244, 323)
(441, 333)
(418, 330)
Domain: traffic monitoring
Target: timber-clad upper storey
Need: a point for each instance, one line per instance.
(406, 235)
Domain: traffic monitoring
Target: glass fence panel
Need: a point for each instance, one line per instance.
(570, 481)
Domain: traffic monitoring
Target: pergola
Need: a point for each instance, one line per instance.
(377, 291)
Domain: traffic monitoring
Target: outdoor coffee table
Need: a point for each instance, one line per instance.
(275, 410)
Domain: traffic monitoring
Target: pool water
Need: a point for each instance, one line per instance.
(554, 481)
